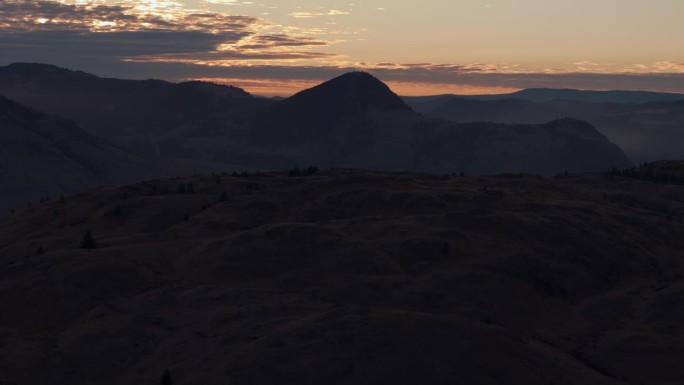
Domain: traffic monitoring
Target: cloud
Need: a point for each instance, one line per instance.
(307, 15)
(45, 15)
(163, 39)
(140, 30)
(426, 78)
(280, 40)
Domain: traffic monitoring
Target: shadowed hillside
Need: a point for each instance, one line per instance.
(646, 132)
(148, 116)
(44, 156)
(348, 277)
(485, 148)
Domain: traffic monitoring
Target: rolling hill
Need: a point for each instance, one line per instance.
(349, 277)
(44, 156)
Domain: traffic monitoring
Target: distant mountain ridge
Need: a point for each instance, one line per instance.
(540, 95)
(646, 132)
(615, 96)
(354, 120)
(149, 116)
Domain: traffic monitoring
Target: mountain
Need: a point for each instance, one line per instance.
(357, 121)
(313, 114)
(349, 277)
(45, 156)
(540, 95)
(485, 148)
(354, 120)
(146, 116)
(646, 132)
(626, 97)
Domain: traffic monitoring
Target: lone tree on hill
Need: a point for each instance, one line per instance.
(166, 378)
(88, 242)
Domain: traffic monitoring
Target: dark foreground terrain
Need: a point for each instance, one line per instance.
(350, 277)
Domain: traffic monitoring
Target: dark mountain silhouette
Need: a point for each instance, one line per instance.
(349, 277)
(353, 120)
(149, 116)
(546, 149)
(627, 97)
(540, 95)
(473, 110)
(313, 114)
(645, 132)
(44, 156)
(356, 120)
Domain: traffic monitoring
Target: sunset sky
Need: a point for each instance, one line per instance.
(418, 47)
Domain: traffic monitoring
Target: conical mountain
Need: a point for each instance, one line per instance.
(352, 92)
(313, 114)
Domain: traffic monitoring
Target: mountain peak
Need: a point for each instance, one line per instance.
(348, 101)
(353, 91)
(358, 75)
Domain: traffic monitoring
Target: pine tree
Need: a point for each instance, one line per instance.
(88, 242)
(166, 378)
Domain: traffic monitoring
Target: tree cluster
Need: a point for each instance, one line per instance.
(297, 172)
(649, 175)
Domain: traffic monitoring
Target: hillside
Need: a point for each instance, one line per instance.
(148, 116)
(349, 277)
(354, 120)
(486, 148)
(42, 156)
(646, 132)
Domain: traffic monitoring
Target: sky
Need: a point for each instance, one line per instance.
(418, 47)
